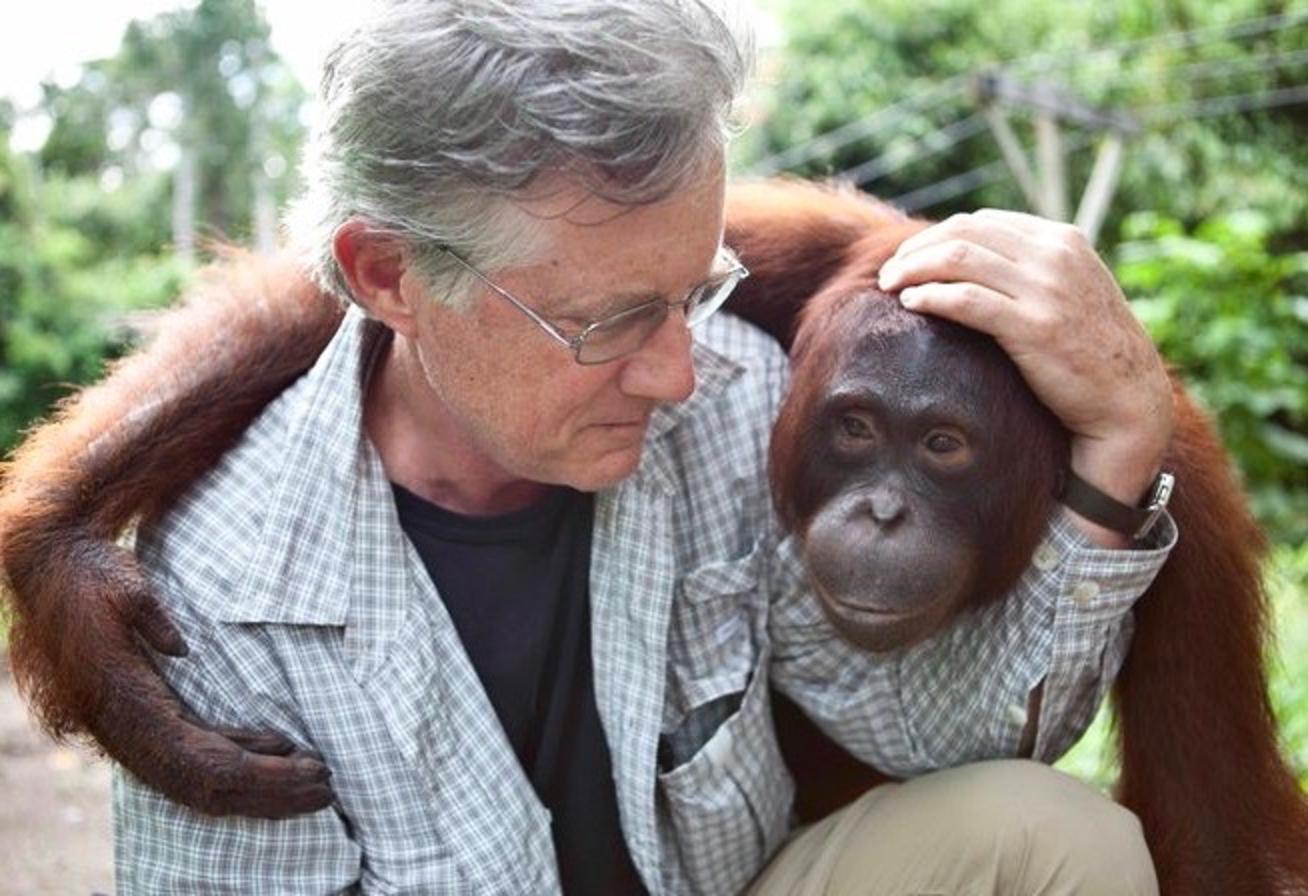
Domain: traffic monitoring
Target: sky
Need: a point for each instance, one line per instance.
(49, 38)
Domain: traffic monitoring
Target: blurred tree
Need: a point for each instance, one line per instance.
(61, 298)
(194, 98)
(900, 68)
(198, 93)
(1234, 317)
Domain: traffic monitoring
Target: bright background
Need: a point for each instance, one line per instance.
(123, 151)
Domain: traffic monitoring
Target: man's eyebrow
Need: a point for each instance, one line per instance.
(592, 307)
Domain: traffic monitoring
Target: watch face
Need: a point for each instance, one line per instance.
(1163, 491)
(1159, 495)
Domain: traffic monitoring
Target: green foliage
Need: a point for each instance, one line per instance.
(63, 294)
(1233, 317)
(201, 83)
(1288, 586)
(85, 223)
(847, 60)
(78, 141)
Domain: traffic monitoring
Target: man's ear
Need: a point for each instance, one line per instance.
(375, 265)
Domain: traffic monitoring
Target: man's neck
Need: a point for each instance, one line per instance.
(423, 449)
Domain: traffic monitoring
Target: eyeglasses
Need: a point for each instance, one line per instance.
(620, 334)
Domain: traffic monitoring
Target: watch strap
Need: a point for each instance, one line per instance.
(1107, 511)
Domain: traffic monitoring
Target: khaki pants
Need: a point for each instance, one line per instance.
(1002, 827)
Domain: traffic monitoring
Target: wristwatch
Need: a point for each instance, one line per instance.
(1107, 511)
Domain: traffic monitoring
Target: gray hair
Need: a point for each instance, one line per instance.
(434, 114)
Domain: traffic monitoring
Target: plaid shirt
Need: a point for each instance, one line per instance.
(309, 612)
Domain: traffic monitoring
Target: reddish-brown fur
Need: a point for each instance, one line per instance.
(1200, 761)
(119, 452)
(794, 236)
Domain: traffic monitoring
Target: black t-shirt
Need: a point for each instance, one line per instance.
(517, 587)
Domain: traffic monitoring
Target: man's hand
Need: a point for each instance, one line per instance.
(91, 594)
(1040, 290)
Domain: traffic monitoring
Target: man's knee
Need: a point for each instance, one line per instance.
(1051, 832)
(1007, 826)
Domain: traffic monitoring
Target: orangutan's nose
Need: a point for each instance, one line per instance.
(886, 505)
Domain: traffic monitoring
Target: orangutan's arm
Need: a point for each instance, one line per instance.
(121, 451)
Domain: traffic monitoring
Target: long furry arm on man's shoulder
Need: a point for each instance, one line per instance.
(122, 450)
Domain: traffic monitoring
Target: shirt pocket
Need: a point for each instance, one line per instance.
(714, 637)
(729, 804)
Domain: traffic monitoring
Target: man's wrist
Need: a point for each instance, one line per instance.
(1125, 471)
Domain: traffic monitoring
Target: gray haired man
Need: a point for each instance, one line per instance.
(505, 558)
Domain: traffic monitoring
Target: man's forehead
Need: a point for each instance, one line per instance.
(600, 256)
(572, 205)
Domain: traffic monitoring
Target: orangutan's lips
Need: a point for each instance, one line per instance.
(876, 613)
(868, 613)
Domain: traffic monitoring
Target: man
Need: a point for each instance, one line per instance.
(504, 557)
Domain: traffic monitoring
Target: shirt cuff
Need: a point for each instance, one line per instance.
(1098, 583)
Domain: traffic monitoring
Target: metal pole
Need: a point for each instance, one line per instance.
(1100, 187)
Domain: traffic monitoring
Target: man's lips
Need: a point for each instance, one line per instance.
(629, 423)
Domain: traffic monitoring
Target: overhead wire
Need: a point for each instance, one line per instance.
(1225, 105)
(1218, 68)
(950, 187)
(990, 172)
(932, 144)
(823, 144)
(1194, 37)
(949, 135)
(936, 92)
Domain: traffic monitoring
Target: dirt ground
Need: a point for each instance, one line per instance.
(54, 809)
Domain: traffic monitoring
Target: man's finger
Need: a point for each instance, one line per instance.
(1009, 237)
(954, 260)
(969, 304)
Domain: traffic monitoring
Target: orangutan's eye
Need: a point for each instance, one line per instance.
(943, 443)
(856, 426)
(947, 450)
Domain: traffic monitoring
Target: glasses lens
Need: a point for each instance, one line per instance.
(709, 298)
(624, 333)
(621, 334)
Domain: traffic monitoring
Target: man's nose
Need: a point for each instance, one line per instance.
(661, 369)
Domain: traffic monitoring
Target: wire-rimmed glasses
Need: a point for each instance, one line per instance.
(620, 334)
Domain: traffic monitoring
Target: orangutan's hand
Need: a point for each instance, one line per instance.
(84, 611)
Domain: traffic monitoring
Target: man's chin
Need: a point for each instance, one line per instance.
(607, 471)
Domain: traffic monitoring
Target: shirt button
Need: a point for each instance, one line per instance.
(1046, 557)
(1016, 713)
(1085, 592)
